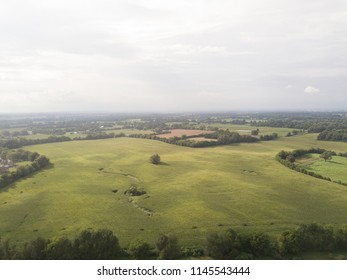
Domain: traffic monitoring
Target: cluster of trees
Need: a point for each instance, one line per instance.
(100, 135)
(333, 135)
(36, 160)
(104, 245)
(223, 137)
(309, 123)
(91, 245)
(11, 134)
(288, 159)
(306, 238)
(312, 237)
(19, 155)
(88, 245)
(20, 142)
(268, 137)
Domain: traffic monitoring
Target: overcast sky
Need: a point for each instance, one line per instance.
(172, 55)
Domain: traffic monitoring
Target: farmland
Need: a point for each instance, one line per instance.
(98, 175)
(193, 191)
(186, 132)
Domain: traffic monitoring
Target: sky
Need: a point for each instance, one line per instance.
(172, 56)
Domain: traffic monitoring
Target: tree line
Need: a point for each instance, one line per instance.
(104, 245)
(339, 135)
(20, 142)
(310, 124)
(221, 137)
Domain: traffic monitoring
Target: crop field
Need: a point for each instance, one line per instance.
(198, 139)
(193, 191)
(181, 132)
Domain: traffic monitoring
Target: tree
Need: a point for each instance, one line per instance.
(327, 155)
(168, 247)
(36, 249)
(155, 159)
(255, 132)
(290, 158)
(60, 249)
(139, 249)
(42, 161)
(260, 244)
(96, 245)
(223, 246)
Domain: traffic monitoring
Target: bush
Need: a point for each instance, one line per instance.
(36, 249)
(96, 245)
(155, 159)
(168, 247)
(223, 246)
(139, 249)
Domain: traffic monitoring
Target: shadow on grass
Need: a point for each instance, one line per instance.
(164, 164)
(335, 162)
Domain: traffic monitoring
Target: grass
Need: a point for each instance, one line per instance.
(193, 192)
(334, 168)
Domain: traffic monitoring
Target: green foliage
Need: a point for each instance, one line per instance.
(88, 245)
(268, 137)
(333, 135)
(288, 159)
(96, 245)
(139, 250)
(259, 245)
(195, 185)
(311, 237)
(313, 124)
(103, 245)
(223, 137)
(155, 159)
(223, 245)
(167, 246)
(61, 249)
(327, 155)
(36, 249)
(8, 251)
(37, 162)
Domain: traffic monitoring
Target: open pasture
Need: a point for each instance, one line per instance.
(193, 191)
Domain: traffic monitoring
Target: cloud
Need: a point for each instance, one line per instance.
(123, 55)
(311, 90)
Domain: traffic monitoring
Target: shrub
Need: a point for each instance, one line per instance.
(139, 249)
(168, 247)
(155, 159)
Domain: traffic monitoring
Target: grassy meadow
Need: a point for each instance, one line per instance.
(193, 191)
(335, 168)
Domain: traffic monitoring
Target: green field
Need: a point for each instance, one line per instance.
(194, 191)
(335, 168)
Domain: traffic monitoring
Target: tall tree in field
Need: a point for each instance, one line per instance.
(326, 155)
